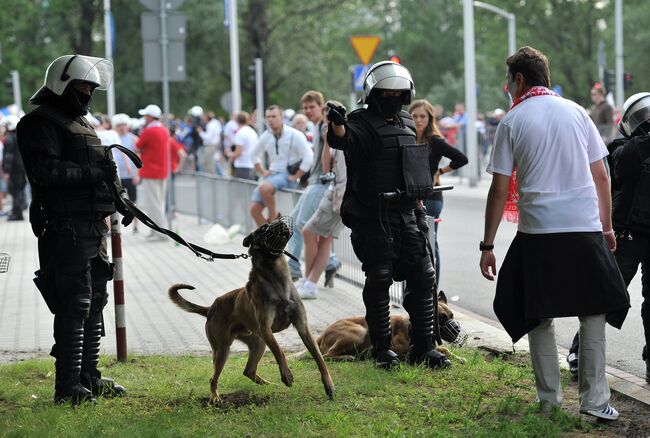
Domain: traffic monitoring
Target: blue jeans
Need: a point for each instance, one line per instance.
(434, 208)
(302, 212)
(279, 180)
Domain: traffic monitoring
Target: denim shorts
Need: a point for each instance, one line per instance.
(279, 180)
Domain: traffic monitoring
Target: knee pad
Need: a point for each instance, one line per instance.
(77, 306)
(422, 277)
(379, 278)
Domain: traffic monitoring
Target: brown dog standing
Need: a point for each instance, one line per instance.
(348, 338)
(268, 304)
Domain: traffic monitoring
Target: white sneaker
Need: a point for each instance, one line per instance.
(308, 291)
(299, 282)
(608, 413)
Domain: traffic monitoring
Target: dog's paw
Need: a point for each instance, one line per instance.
(329, 389)
(287, 378)
(215, 400)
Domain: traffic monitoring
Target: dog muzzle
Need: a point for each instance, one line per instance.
(452, 332)
(277, 234)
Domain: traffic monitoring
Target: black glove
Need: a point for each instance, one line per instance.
(336, 114)
(127, 219)
(120, 205)
(421, 219)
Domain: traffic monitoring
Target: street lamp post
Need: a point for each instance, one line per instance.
(618, 14)
(470, 92)
(108, 48)
(512, 45)
(470, 78)
(235, 85)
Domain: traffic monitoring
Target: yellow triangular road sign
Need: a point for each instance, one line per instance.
(365, 47)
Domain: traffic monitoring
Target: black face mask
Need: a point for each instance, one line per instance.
(75, 103)
(386, 106)
(390, 105)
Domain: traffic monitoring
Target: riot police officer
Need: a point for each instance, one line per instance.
(629, 162)
(388, 176)
(75, 187)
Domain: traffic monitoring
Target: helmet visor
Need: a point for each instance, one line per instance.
(636, 115)
(99, 71)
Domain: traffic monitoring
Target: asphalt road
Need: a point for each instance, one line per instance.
(459, 233)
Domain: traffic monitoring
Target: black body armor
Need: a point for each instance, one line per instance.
(83, 147)
(389, 171)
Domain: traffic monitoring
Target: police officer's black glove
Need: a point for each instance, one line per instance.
(127, 219)
(336, 114)
(421, 219)
(120, 205)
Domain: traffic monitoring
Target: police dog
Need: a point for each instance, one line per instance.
(268, 304)
(348, 338)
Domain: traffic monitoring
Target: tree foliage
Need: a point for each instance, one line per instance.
(305, 45)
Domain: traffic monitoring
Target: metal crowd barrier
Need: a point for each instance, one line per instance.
(226, 201)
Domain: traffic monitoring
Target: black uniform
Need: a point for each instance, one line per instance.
(12, 164)
(385, 234)
(629, 163)
(74, 186)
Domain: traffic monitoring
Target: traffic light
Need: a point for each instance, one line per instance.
(609, 80)
(393, 57)
(627, 80)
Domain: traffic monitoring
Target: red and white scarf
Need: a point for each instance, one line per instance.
(511, 211)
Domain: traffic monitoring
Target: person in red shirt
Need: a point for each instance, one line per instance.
(153, 146)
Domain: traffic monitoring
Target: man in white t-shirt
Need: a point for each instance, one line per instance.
(244, 140)
(560, 262)
(285, 146)
(211, 137)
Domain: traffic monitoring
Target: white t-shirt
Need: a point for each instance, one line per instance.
(551, 141)
(211, 136)
(229, 130)
(246, 137)
(292, 146)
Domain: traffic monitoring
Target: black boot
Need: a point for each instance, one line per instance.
(377, 302)
(91, 378)
(644, 356)
(421, 308)
(572, 358)
(378, 318)
(68, 336)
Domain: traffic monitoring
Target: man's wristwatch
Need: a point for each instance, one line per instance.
(441, 170)
(483, 247)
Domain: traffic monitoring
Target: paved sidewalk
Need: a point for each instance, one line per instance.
(157, 326)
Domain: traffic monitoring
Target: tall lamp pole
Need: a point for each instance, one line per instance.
(470, 92)
(618, 14)
(512, 26)
(235, 83)
(108, 47)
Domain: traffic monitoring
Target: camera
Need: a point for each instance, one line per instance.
(327, 177)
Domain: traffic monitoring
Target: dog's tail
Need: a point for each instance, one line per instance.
(183, 303)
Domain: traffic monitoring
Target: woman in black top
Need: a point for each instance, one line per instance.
(427, 132)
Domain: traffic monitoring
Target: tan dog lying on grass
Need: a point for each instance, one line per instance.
(268, 304)
(348, 338)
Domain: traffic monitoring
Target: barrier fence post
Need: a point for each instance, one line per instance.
(118, 288)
